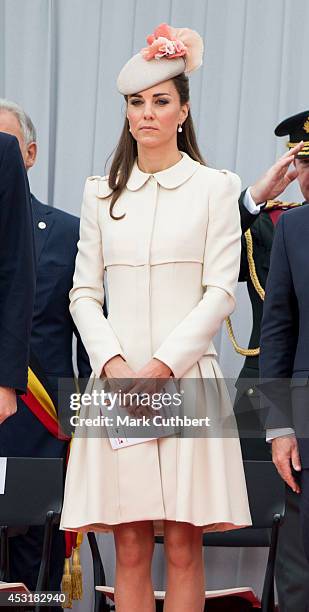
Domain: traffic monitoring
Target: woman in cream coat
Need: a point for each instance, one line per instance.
(165, 231)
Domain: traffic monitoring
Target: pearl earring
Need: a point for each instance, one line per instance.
(179, 128)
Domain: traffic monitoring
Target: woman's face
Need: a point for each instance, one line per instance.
(155, 114)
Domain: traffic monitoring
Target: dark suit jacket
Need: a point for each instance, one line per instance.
(17, 266)
(285, 323)
(56, 236)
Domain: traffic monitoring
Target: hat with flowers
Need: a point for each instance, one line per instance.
(169, 52)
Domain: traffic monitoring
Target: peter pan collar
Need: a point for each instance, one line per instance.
(169, 179)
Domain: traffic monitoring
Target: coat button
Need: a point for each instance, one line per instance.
(41, 225)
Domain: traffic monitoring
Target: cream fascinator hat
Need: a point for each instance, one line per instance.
(170, 52)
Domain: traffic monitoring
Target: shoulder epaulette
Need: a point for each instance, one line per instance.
(281, 205)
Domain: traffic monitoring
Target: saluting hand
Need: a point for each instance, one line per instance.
(8, 404)
(277, 178)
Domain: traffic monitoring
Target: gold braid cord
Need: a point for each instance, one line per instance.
(271, 204)
(260, 291)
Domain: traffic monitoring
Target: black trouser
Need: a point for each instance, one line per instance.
(292, 567)
(304, 509)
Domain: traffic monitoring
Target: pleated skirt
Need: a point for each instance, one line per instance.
(198, 480)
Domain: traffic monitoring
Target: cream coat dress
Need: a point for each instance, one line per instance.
(171, 268)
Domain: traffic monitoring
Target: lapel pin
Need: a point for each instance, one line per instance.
(42, 225)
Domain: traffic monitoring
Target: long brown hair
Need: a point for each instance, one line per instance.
(126, 150)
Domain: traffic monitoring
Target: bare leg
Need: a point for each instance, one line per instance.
(185, 568)
(134, 549)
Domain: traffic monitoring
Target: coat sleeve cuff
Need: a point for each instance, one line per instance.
(99, 363)
(20, 386)
(177, 367)
(271, 434)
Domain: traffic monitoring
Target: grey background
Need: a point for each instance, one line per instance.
(59, 59)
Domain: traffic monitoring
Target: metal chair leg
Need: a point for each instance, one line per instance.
(101, 604)
(4, 554)
(268, 596)
(43, 577)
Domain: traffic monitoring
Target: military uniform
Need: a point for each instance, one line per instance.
(258, 232)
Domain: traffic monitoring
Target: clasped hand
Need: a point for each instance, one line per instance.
(148, 380)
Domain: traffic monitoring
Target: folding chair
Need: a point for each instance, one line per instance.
(266, 492)
(33, 496)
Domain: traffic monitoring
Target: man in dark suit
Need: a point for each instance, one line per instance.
(258, 225)
(17, 274)
(284, 337)
(56, 235)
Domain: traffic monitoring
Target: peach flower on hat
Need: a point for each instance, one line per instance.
(170, 42)
(162, 44)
